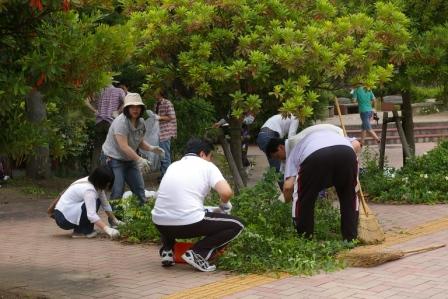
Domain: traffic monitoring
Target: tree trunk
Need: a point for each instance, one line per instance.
(232, 165)
(38, 162)
(235, 147)
(408, 120)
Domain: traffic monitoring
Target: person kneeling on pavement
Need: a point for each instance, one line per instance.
(179, 209)
(78, 205)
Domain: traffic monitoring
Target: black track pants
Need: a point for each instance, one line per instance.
(218, 230)
(331, 166)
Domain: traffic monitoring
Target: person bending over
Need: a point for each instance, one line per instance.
(320, 160)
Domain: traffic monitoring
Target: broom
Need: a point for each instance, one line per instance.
(377, 257)
(369, 229)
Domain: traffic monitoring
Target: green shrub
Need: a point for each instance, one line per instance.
(421, 93)
(422, 180)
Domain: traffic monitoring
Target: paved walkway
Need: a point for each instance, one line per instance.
(37, 258)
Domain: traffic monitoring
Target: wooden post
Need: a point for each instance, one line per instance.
(406, 150)
(383, 139)
(233, 167)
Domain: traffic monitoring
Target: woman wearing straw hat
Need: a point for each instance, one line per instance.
(125, 136)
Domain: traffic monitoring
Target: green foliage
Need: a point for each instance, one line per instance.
(194, 117)
(264, 49)
(65, 55)
(422, 180)
(421, 93)
(138, 225)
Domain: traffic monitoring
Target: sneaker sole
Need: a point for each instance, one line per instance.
(191, 263)
(167, 263)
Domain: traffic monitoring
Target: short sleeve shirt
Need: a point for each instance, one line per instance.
(309, 144)
(122, 126)
(109, 101)
(283, 126)
(364, 98)
(168, 129)
(181, 194)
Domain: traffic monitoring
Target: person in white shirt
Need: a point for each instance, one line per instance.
(276, 126)
(321, 159)
(179, 208)
(78, 205)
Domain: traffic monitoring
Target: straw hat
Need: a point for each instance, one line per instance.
(133, 99)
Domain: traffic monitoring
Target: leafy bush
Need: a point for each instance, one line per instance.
(422, 180)
(194, 116)
(138, 225)
(269, 241)
(420, 93)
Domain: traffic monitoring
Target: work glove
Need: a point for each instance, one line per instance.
(158, 150)
(144, 165)
(226, 207)
(281, 197)
(112, 232)
(116, 223)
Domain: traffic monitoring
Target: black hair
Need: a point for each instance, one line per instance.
(102, 177)
(197, 145)
(272, 146)
(128, 115)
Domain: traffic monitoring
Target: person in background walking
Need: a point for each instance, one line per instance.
(276, 126)
(366, 102)
(166, 115)
(107, 105)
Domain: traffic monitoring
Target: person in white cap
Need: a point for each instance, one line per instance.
(125, 136)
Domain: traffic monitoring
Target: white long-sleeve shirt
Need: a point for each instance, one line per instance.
(80, 192)
(283, 126)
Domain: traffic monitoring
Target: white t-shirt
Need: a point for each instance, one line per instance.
(291, 142)
(180, 198)
(283, 126)
(80, 192)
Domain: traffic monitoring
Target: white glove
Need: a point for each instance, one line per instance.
(112, 232)
(144, 165)
(158, 150)
(117, 222)
(281, 197)
(226, 207)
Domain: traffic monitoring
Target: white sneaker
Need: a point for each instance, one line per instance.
(82, 236)
(197, 261)
(167, 258)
